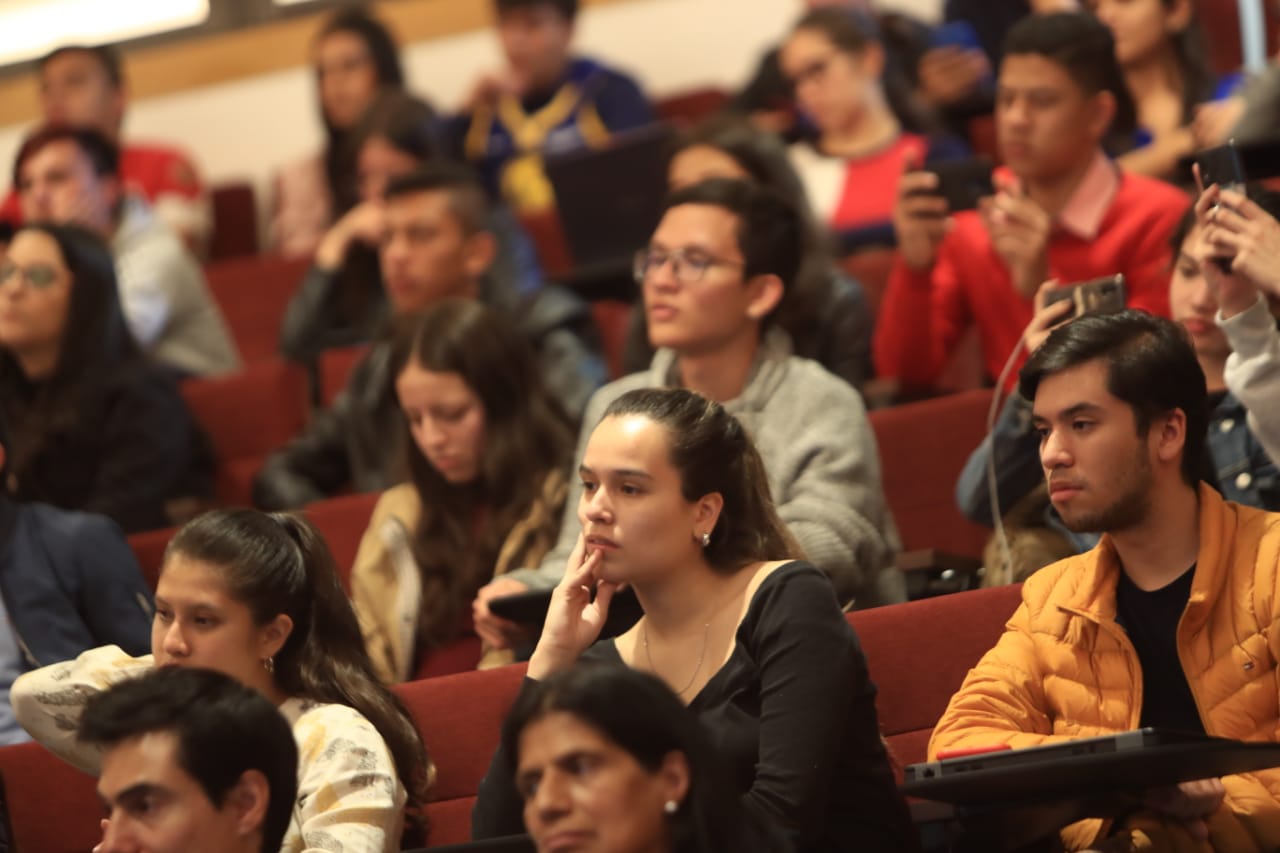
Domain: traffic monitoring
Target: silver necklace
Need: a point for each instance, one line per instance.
(644, 640)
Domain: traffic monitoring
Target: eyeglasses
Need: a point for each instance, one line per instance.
(38, 276)
(688, 266)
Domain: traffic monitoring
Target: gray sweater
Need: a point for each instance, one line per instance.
(820, 456)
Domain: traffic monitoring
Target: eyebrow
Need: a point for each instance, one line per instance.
(619, 472)
(133, 792)
(1070, 411)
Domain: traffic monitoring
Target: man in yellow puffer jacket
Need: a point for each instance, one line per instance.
(1171, 621)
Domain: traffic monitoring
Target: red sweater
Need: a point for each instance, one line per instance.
(923, 314)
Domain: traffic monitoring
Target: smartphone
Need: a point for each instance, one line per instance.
(1222, 166)
(1098, 296)
(963, 182)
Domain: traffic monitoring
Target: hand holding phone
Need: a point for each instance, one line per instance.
(1098, 296)
(1222, 166)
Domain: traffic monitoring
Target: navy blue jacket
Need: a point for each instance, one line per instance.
(70, 583)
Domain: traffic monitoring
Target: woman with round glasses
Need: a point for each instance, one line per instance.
(94, 426)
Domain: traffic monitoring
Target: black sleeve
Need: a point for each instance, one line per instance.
(148, 448)
(310, 314)
(310, 467)
(846, 350)
(815, 697)
(620, 103)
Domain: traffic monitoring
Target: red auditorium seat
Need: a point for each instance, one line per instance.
(919, 654)
(235, 221)
(691, 107)
(923, 447)
(342, 521)
(148, 549)
(547, 234)
(248, 415)
(871, 268)
(53, 807)
(253, 294)
(335, 366)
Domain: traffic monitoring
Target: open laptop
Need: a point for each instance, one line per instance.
(610, 199)
(1134, 760)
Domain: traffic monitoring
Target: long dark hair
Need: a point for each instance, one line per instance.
(1192, 56)
(278, 563)
(713, 453)
(527, 437)
(339, 159)
(763, 156)
(96, 343)
(641, 715)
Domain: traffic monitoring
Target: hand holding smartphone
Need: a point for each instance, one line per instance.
(1222, 166)
(1104, 295)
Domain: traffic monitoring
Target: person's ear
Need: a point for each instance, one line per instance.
(1178, 17)
(272, 636)
(479, 252)
(1102, 112)
(706, 513)
(249, 799)
(765, 292)
(872, 61)
(674, 777)
(1170, 436)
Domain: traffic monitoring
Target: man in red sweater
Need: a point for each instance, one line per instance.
(1062, 211)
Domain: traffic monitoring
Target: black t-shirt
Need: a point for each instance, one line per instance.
(1151, 618)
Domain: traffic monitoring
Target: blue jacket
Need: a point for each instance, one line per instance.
(70, 583)
(1243, 471)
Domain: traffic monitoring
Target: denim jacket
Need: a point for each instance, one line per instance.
(1243, 471)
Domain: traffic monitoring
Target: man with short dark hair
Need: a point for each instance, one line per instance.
(1169, 621)
(69, 175)
(193, 762)
(439, 243)
(715, 270)
(544, 101)
(84, 86)
(1063, 211)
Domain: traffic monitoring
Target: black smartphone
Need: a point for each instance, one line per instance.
(963, 182)
(1098, 296)
(1222, 166)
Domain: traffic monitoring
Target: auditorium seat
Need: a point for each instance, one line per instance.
(235, 221)
(923, 447)
(871, 268)
(691, 107)
(335, 366)
(253, 294)
(53, 807)
(547, 234)
(247, 415)
(613, 320)
(342, 522)
(920, 652)
(148, 550)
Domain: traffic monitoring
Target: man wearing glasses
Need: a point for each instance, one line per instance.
(716, 269)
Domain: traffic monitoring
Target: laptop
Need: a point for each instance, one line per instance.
(610, 199)
(1126, 761)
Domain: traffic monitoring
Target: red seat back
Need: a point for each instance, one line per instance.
(253, 294)
(923, 447)
(235, 221)
(335, 366)
(53, 807)
(248, 415)
(547, 234)
(920, 652)
(148, 549)
(613, 320)
(691, 107)
(342, 522)
(460, 717)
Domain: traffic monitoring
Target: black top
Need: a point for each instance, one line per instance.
(1151, 619)
(792, 715)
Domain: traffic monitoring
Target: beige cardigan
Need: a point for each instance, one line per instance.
(386, 588)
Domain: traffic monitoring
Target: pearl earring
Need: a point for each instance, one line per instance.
(670, 806)
(706, 539)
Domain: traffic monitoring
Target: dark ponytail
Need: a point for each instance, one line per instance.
(278, 563)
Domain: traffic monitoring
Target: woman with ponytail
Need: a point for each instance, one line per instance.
(675, 503)
(257, 597)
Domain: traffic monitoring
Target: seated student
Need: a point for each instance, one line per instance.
(257, 597)
(1239, 466)
(66, 175)
(1161, 51)
(923, 85)
(1065, 212)
(718, 264)
(84, 87)
(192, 762)
(675, 503)
(835, 60)
(94, 426)
(488, 450)
(659, 787)
(341, 301)
(1245, 238)
(68, 583)
(1165, 622)
(544, 101)
(437, 245)
(355, 59)
(823, 311)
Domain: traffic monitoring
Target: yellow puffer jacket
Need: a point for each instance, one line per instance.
(1065, 669)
